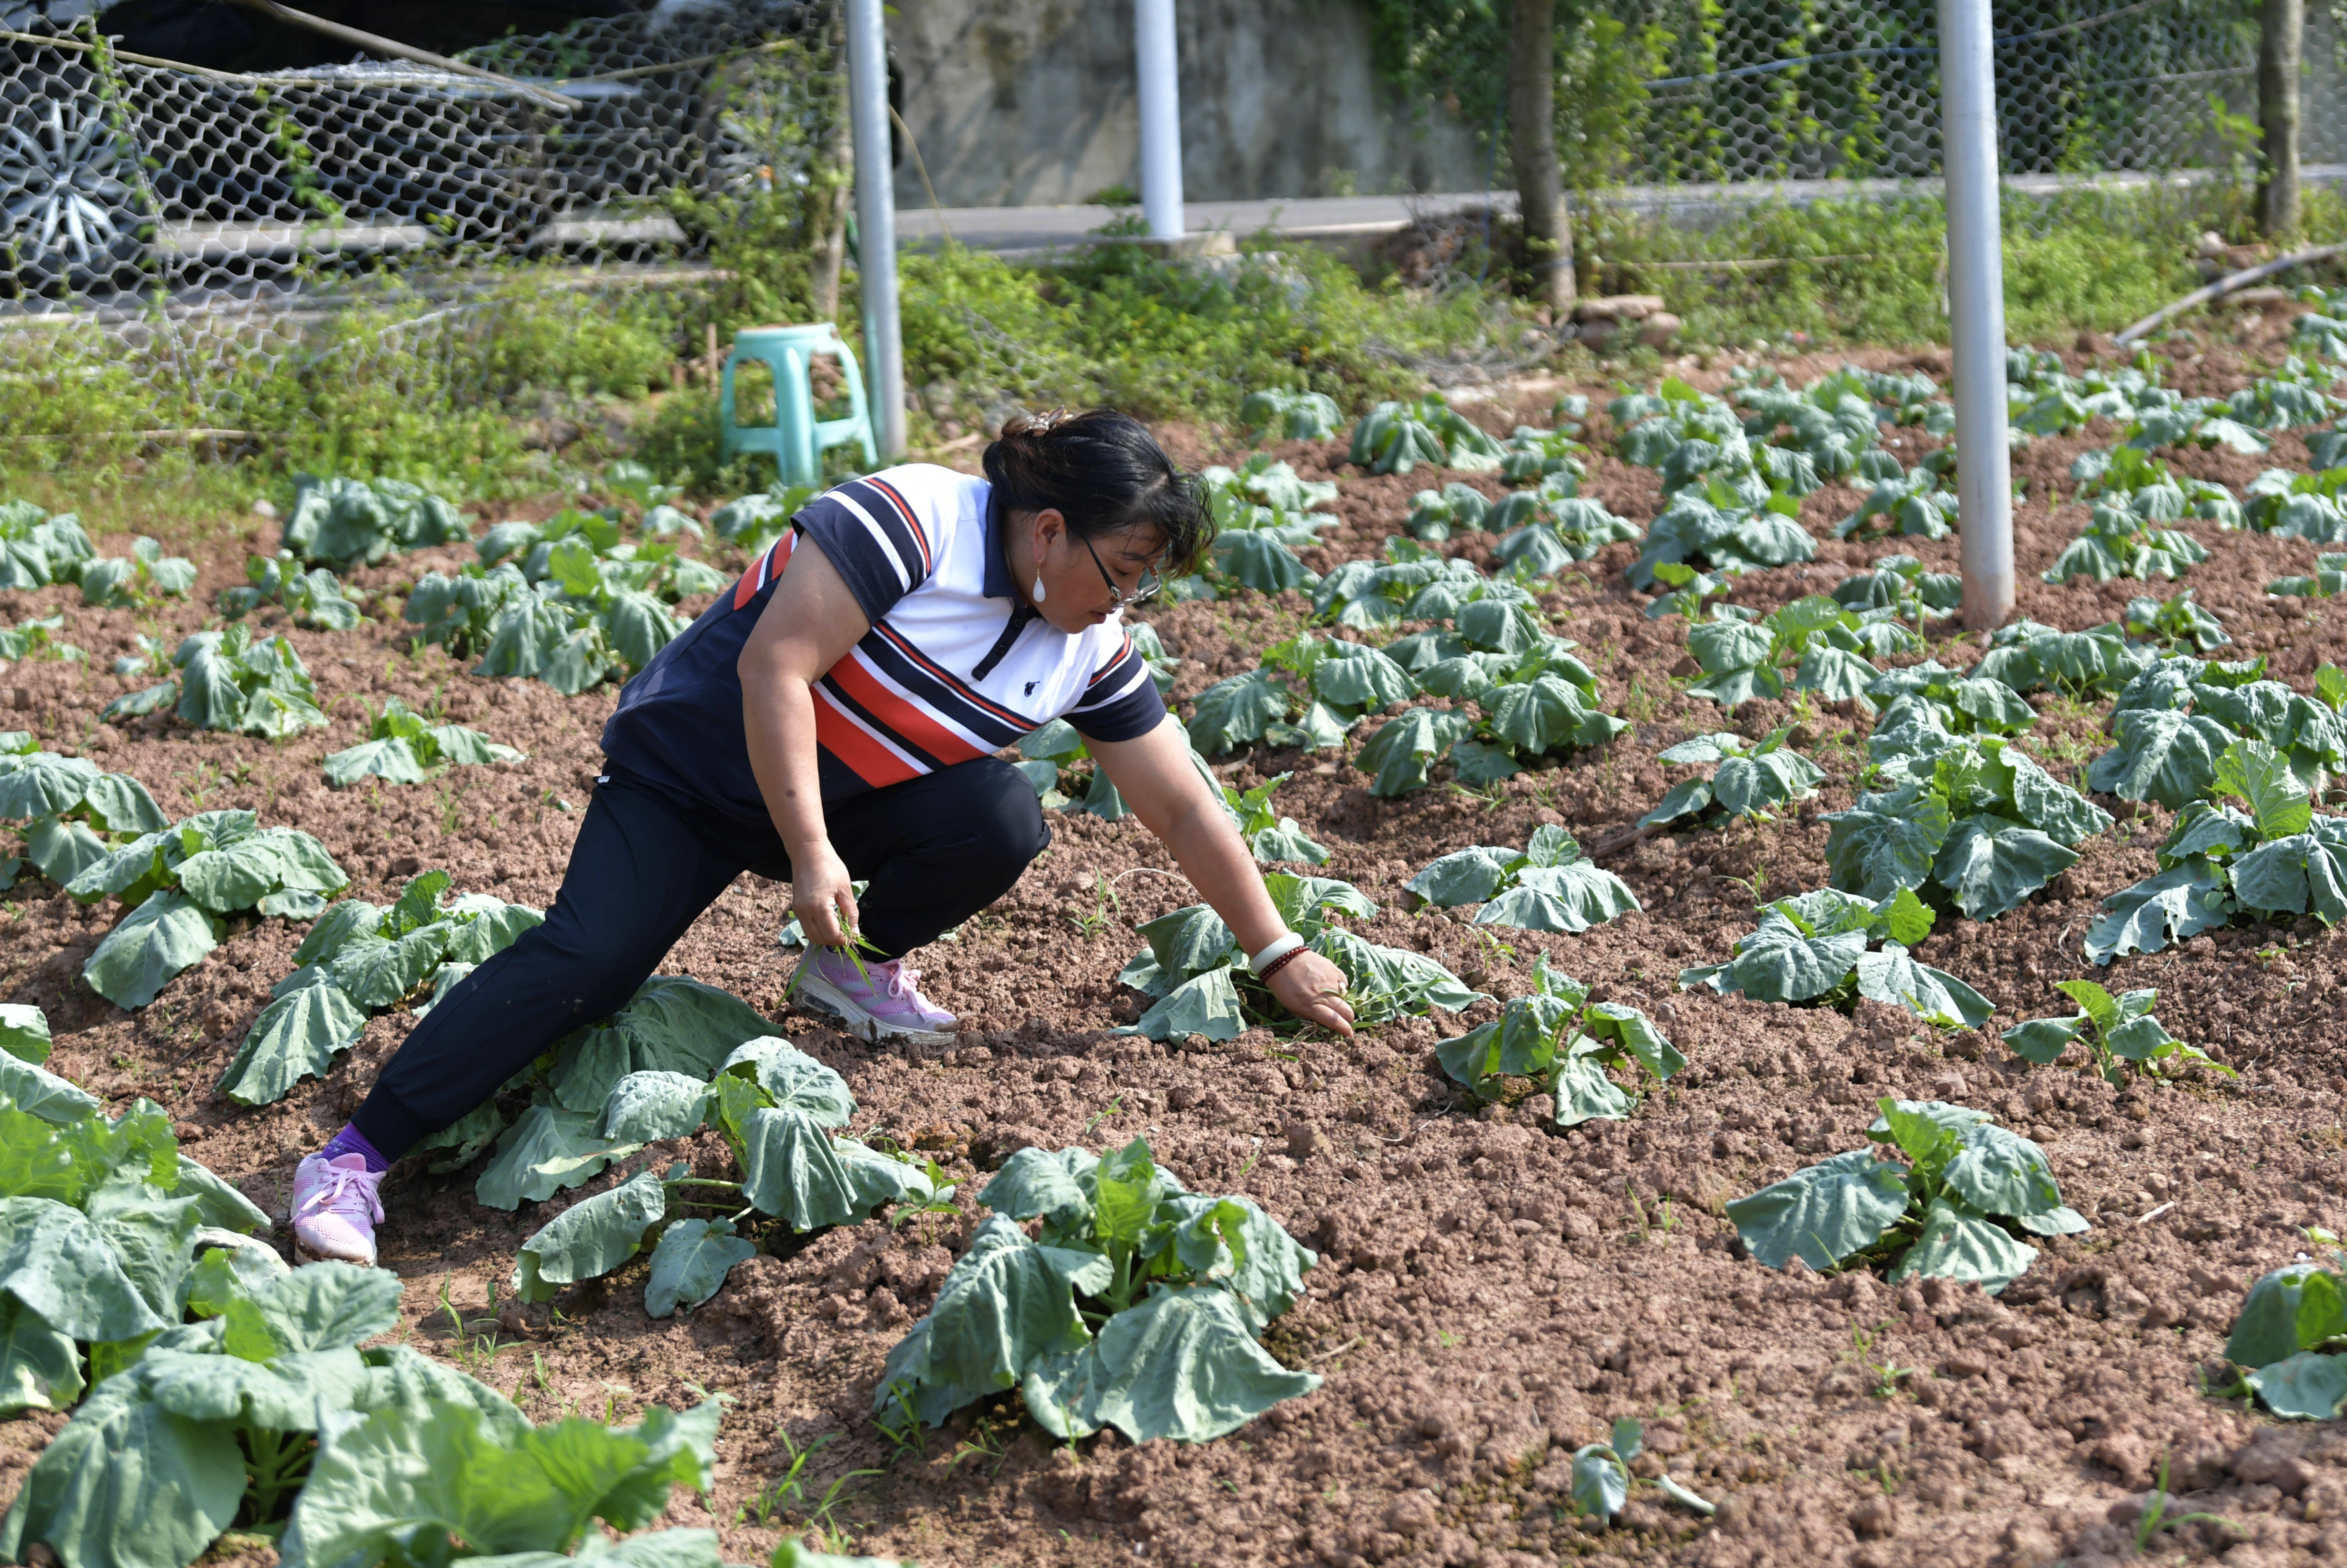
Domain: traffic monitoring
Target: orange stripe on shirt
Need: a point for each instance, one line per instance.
(905, 646)
(839, 733)
(770, 567)
(1102, 673)
(896, 712)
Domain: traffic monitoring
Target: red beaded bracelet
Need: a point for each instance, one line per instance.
(1281, 962)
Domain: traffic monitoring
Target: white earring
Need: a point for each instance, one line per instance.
(1041, 595)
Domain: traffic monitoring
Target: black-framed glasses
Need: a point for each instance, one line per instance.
(1142, 592)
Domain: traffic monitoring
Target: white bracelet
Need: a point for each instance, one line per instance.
(1279, 948)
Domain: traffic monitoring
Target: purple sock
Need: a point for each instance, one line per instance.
(351, 1141)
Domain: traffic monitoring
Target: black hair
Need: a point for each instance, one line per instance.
(1105, 473)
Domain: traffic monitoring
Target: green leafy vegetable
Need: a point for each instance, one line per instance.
(359, 958)
(1567, 1046)
(177, 883)
(313, 597)
(2114, 1030)
(1949, 1212)
(1550, 886)
(1748, 778)
(1395, 438)
(38, 549)
(1293, 415)
(343, 523)
(1815, 949)
(404, 747)
(1197, 974)
(1139, 1305)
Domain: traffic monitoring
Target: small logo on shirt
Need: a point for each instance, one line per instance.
(1031, 687)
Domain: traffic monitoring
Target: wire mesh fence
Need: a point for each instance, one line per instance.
(187, 233)
(172, 238)
(1805, 89)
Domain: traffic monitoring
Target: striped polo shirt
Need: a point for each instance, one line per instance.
(955, 666)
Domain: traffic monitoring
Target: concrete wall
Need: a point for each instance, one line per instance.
(1031, 102)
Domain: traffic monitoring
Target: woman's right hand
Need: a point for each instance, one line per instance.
(823, 896)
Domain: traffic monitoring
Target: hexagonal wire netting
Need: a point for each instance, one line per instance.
(181, 222)
(1807, 89)
(186, 222)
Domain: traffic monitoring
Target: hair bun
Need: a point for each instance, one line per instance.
(1034, 424)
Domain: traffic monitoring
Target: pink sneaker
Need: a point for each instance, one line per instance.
(884, 1006)
(335, 1209)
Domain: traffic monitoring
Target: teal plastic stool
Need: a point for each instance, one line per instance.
(797, 438)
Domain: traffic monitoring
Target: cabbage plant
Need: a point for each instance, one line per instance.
(2330, 580)
(777, 1109)
(1548, 885)
(1747, 779)
(101, 1219)
(2271, 854)
(176, 884)
(2301, 506)
(38, 549)
(231, 680)
(1956, 1203)
(2129, 477)
(1263, 512)
(1291, 416)
(1917, 503)
(265, 1413)
(1715, 529)
(313, 597)
(1137, 1304)
(1818, 949)
(2287, 1339)
(2031, 656)
(404, 747)
(137, 580)
(73, 814)
(566, 601)
(1567, 1046)
(2114, 1030)
(1831, 648)
(357, 959)
(343, 523)
(1395, 438)
(1899, 583)
(1197, 977)
(1977, 824)
(2119, 541)
(1832, 422)
(2175, 720)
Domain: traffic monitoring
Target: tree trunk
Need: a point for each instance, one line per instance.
(1531, 133)
(827, 193)
(2278, 77)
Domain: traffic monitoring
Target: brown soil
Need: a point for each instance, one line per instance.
(1491, 1293)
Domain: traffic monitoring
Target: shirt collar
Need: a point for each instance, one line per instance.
(997, 569)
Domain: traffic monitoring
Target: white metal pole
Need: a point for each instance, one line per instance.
(1161, 117)
(876, 224)
(1977, 310)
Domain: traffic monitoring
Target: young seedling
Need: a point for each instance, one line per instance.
(2154, 1517)
(1602, 1478)
(1886, 1374)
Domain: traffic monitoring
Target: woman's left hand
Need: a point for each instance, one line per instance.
(1313, 989)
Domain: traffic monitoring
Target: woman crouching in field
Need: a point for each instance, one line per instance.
(835, 716)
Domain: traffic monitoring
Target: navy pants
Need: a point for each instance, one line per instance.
(937, 849)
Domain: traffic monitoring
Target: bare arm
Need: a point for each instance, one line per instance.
(1155, 775)
(807, 627)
